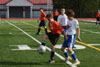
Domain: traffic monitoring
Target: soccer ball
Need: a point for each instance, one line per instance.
(42, 49)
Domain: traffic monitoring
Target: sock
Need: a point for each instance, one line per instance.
(43, 42)
(74, 56)
(52, 55)
(46, 30)
(38, 31)
(66, 54)
(96, 23)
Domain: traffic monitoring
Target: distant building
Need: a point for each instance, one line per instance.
(24, 8)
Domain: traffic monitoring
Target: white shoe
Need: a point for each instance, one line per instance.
(68, 59)
(51, 61)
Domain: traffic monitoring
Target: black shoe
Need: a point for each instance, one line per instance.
(51, 61)
(37, 34)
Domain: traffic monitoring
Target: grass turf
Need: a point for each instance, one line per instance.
(12, 36)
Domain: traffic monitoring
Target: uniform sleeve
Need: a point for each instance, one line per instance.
(77, 24)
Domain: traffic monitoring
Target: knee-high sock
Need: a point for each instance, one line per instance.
(46, 30)
(43, 42)
(38, 30)
(66, 54)
(52, 54)
(74, 56)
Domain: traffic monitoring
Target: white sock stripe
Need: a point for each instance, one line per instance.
(72, 41)
(72, 52)
(65, 51)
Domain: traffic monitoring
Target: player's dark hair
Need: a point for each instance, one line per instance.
(49, 15)
(71, 13)
(41, 8)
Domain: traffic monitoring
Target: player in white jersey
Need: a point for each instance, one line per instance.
(72, 27)
(62, 19)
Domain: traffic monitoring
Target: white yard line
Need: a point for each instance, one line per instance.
(58, 55)
(90, 31)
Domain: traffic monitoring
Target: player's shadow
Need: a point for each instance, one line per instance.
(17, 63)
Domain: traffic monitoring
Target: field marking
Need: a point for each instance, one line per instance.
(91, 31)
(61, 57)
(75, 41)
(22, 47)
(77, 47)
(88, 45)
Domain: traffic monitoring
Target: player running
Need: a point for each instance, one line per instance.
(72, 27)
(98, 18)
(42, 21)
(62, 20)
(53, 36)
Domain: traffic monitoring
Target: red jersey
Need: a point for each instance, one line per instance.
(55, 27)
(98, 15)
(43, 16)
(56, 13)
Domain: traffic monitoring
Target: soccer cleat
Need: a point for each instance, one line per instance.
(37, 34)
(68, 59)
(76, 63)
(51, 61)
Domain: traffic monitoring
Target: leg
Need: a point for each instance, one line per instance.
(72, 53)
(96, 22)
(44, 39)
(45, 29)
(38, 30)
(74, 56)
(52, 54)
(65, 52)
(53, 39)
(63, 48)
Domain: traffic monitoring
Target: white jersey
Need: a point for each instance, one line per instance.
(73, 25)
(62, 20)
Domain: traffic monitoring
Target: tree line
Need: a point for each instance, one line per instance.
(82, 8)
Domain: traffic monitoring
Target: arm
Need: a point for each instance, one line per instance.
(67, 26)
(65, 34)
(78, 34)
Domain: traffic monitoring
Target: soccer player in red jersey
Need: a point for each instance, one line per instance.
(53, 36)
(42, 23)
(98, 17)
(56, 14)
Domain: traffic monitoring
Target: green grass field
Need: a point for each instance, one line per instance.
(11, 36)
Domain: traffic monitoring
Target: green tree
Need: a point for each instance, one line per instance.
(82, 8)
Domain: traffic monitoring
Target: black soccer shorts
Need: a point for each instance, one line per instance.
(53, 37)
(42, 23)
